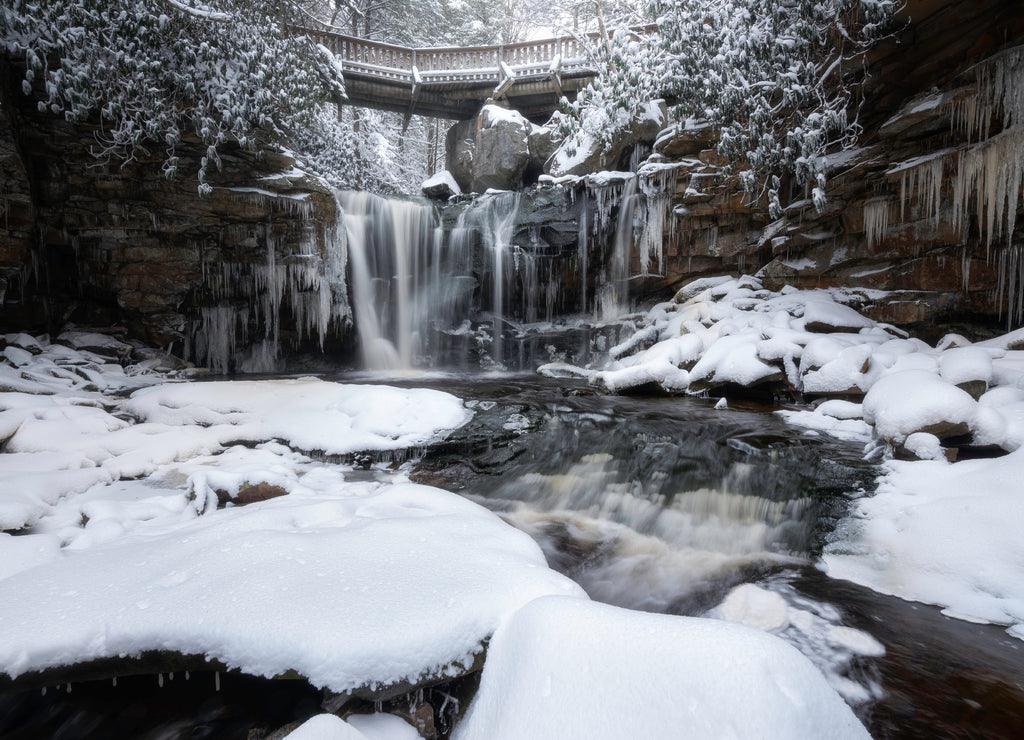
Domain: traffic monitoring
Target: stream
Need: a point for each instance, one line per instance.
(654, 503)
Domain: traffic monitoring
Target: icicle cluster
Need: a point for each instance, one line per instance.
(242, 329)
(987, 172)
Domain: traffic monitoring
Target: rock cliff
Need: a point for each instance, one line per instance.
(228, 280)
(925, 206)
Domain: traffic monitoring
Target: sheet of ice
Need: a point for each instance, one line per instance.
(295, 582)
(945, 534)
(569, 668)
(307, 413)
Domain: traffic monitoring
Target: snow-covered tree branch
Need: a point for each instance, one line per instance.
(159, 72)
(772, 77)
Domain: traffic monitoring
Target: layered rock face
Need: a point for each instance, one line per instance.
(925, 205)
(228, 280)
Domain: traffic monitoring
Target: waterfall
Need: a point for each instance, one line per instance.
(410, 289)
(613, 295)
(491, 222)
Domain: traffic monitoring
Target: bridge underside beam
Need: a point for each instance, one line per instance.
(535, 98)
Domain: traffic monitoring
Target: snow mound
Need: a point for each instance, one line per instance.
(549, 667)
(307, 413)
(357, 727)
(942, 534)
(293, 583)
(903, 403)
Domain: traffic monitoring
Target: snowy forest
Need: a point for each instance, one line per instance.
(480, 369)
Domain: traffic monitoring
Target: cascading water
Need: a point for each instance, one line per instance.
(491, 222)
(408, 286)
(613, 296)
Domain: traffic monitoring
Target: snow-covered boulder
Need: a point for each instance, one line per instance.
(903, 403)
(440, 186)
(568, 668)
(583, 154)
(969, 368)
(355, 586)
(491, 151)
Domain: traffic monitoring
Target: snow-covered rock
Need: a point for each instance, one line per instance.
(358, 587)
(903, 403)
(440, 186)
(576, 669)
(942, 534)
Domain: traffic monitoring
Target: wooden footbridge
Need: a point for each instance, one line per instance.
(454, 82)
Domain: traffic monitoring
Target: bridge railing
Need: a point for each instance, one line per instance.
(456, 64)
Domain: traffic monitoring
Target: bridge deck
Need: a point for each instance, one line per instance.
(453, 82)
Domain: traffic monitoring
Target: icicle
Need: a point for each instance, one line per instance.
(113, 682)
(989, 176)
(160, 680)
(923, 184)
(876, 220)
(216, 680)
(1010, 285)
(187, 675)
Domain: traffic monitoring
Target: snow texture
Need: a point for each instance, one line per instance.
(126, 550)
(945, 534)
(570, 668)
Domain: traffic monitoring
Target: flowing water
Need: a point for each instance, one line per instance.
(652, 503)
(669, 505)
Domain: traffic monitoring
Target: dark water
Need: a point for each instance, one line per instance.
(654, 503)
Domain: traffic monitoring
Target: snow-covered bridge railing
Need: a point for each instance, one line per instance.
(452, 82)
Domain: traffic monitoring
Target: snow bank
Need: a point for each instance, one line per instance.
(349, 583)
(721, 332)
(945, 534)
(569, 668)
(368, 585)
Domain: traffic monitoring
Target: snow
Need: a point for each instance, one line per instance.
(570, 668)
(941, 533)
(354, 727)
(966, 364)
(326, 727)
(915, 401)
(308, 413)
(292, 583)
(444, 177)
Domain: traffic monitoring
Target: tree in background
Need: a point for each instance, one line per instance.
(160, 73)
(777, 79)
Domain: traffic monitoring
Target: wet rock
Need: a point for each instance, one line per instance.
(250, 493)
